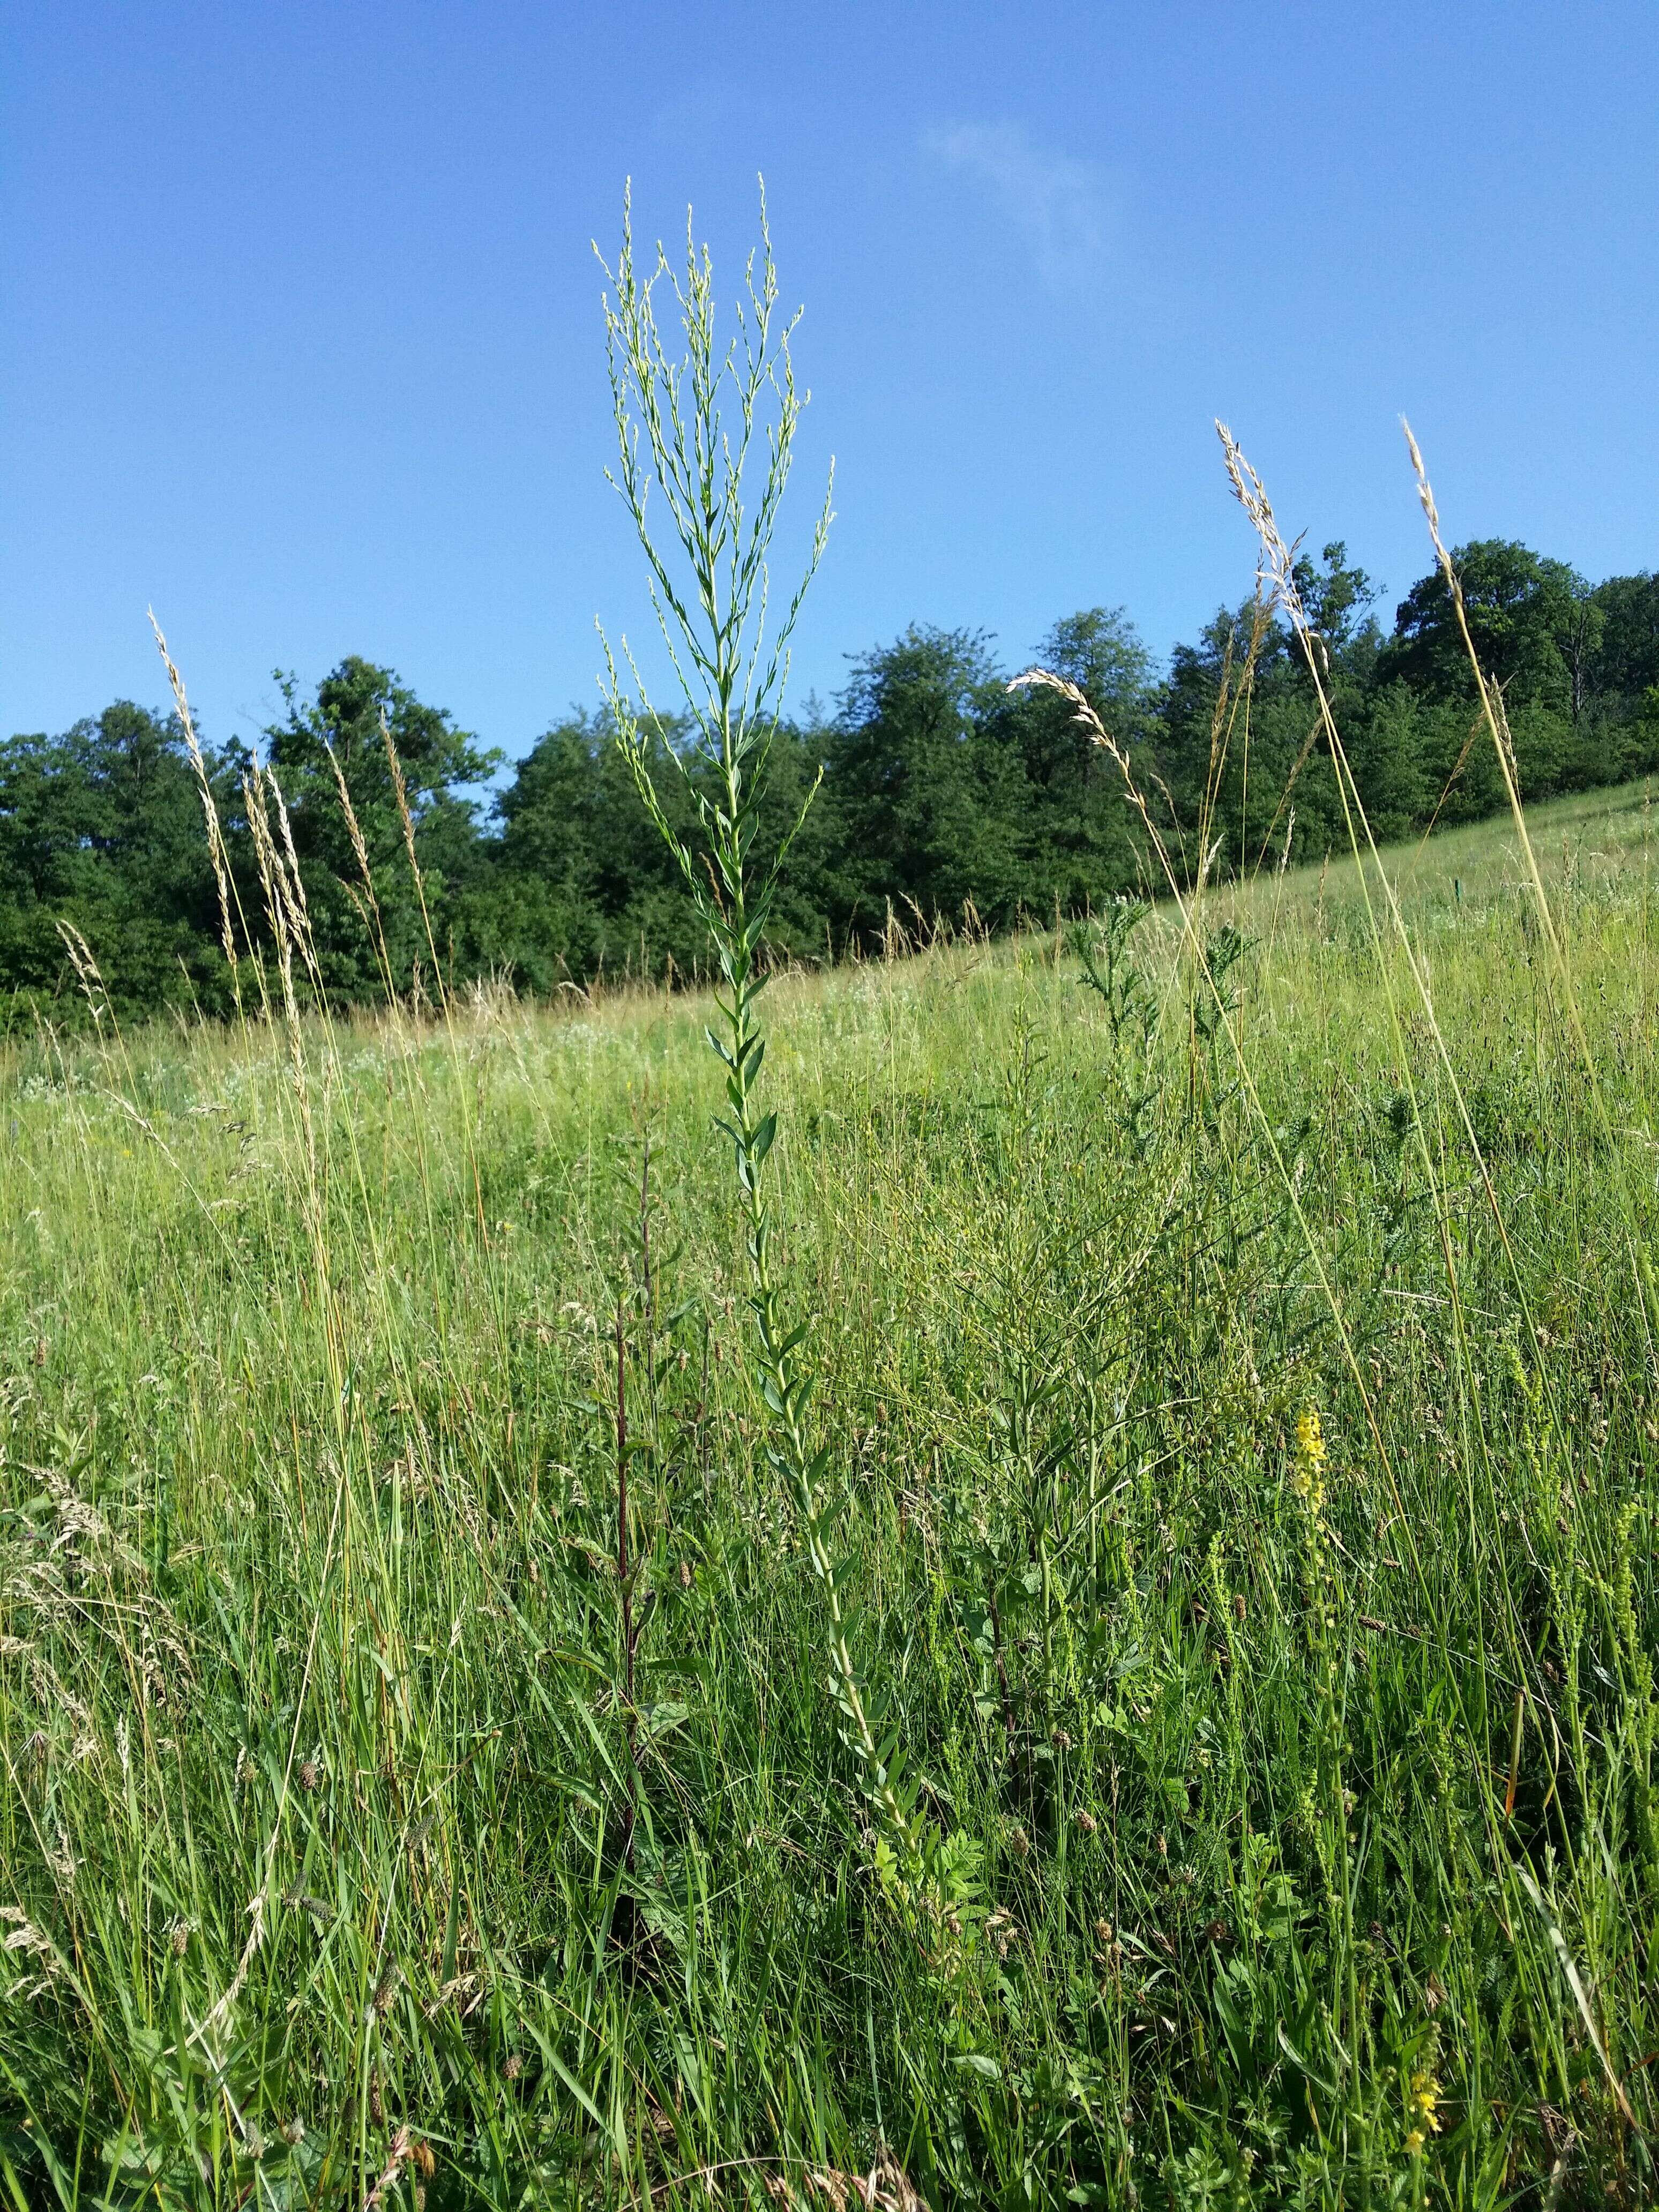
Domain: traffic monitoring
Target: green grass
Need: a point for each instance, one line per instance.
(1263, 1797)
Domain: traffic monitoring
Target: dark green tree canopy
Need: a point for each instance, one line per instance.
(925, 775)
(942, 787)
(345, 719)
(102, 827)
(1339, 598)
(1627, 650)
(1530, 617)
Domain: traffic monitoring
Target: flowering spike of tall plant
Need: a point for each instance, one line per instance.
(689, 426)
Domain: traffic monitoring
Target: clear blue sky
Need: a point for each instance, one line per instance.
(301, 335)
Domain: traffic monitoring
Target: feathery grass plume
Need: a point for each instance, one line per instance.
(1280, 565)
(88, 976)
(293, 890)
(222, 877)
(368, 901)
(273, 883)
(290, 924)
(1495, 722)
(687, 429)
(400, 792)
(1278, 558)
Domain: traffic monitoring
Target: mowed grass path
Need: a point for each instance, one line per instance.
(1252, 1491)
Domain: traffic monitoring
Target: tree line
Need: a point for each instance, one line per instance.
(942, 790)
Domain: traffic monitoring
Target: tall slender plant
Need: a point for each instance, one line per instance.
(691, 427)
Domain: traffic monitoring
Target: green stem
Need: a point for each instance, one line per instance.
(784, 1383)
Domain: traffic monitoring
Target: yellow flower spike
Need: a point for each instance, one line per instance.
(1425, 2099)
(1310, 1439)
(1308, 1472)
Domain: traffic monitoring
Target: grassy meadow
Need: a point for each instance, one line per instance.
(1244, 1426)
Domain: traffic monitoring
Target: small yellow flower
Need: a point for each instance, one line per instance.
(1310, 1439)
(1423, 2101)
(1414, 2142)
(1308, 1469)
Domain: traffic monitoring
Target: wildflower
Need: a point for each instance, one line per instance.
(1310, 1439)
(1087, 1823)
(1423, 2101)
(1308, 1468)
(512, 2068)
(310, 1774)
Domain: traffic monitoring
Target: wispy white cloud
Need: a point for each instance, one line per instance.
(1063, 206)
